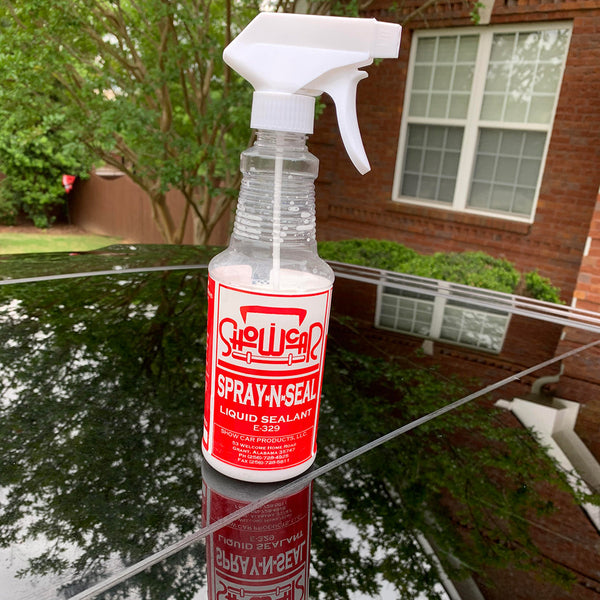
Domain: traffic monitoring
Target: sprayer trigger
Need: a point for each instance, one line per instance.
(341, 85)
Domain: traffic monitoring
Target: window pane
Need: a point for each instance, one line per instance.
(431, 162)
(406, 314)
(480, 195)
(503, 48)
(459, 104)
(443, 68)
(476, 328)
(461, 323)
(438, 106)
(554, 45)
(507, 169)
(546, 79)
(517, 100)
(463, 78)
(422, 78)
(442, 79)
(467, 48)
(540, 109)
(418, 104)
(523, 76)
(426, 50)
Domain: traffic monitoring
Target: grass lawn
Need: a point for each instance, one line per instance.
(23, 243)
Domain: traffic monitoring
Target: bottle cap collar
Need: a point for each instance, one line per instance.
(280, 111)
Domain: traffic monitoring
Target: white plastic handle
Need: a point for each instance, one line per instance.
(341, 85)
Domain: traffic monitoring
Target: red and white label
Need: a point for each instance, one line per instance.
(264, 371)
(261, 556)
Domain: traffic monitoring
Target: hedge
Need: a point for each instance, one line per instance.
(476, 269)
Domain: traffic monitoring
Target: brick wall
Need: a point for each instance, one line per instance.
(350, 205)
(527, 343)
(581, 378)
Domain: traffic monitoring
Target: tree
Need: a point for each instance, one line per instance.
(143, 87)
(33, 157)
(37, 145)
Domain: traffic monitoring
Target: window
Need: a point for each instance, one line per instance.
(477, 118)
(443, 316)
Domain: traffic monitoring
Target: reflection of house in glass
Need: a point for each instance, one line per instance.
(484, 337)
(446, 312)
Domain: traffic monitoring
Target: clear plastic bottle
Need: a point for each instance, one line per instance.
(269, 302)
(276, 211)
(269, 293)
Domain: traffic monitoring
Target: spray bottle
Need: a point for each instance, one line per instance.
(269, 293)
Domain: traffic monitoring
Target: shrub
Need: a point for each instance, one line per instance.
(541, 288)
(379, 254)
(8, 209)
(476, 269)
(33, 157)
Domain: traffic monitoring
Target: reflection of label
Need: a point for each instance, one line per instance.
(264, 372)
(264, 555)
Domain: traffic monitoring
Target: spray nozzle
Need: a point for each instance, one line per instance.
(289, 59)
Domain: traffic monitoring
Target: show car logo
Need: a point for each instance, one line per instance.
(271, 335)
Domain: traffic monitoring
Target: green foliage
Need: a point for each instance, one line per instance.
(469, 268)
(138, 492)
(476, 269)
(380, 254)
(541, 288)
(34, 155)
(467, 468)
(475, 14)
(143, 86)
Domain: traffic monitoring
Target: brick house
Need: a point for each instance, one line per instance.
(487, 137)
(482, 137)
(515, 101)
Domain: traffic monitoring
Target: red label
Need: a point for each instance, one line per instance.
(264, 555)
(264, 372)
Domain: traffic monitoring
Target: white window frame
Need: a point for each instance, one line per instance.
(471, 124)
(442, 293)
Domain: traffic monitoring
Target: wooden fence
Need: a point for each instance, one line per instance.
(120, 208)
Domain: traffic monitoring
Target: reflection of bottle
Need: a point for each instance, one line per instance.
(263, 555)
(269, 292)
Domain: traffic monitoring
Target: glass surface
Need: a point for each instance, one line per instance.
(507, 167)
(523, 76)
(443, 76)
(522, 81)
(104, 493)
(431, 162)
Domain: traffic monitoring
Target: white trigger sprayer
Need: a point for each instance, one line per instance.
(289, 59)
(269, 292)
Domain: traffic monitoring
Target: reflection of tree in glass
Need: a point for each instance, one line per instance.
(523, 75)
(468, 481)
(99, 420)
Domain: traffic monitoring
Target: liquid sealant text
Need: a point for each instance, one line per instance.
(264, 388)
